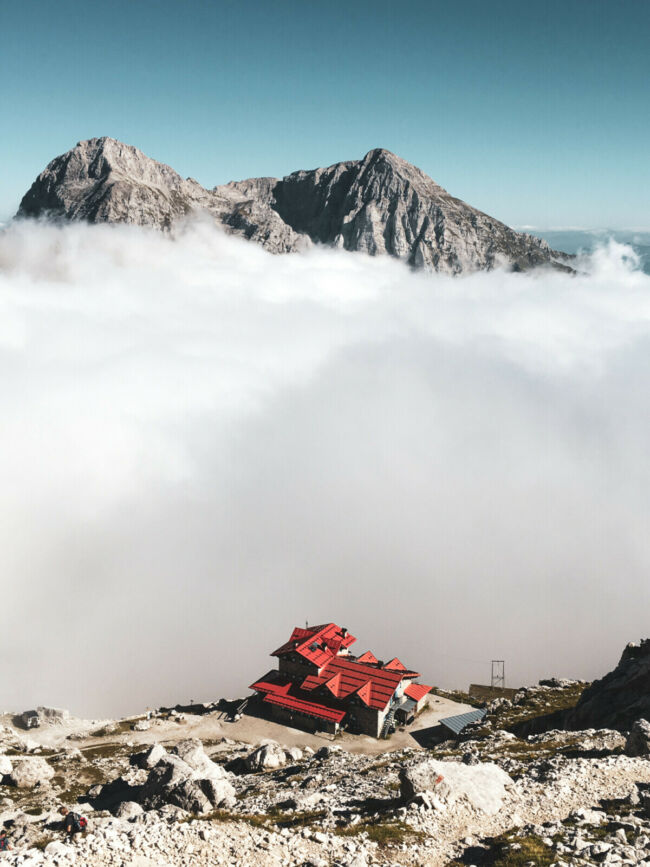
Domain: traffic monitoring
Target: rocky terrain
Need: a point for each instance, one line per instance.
(156, 794)
(378, 205)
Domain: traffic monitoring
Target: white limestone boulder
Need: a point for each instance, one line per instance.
(27, 773)
(62, 852)
(197, 787)
(192, 753)
(128, 810)
(483, 785)
(150, 757)
(267, 757)
(293, 754)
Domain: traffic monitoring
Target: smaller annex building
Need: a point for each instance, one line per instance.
(319, 684)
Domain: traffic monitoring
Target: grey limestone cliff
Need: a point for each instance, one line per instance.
(380, 204)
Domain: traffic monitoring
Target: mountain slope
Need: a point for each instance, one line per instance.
(378, 205)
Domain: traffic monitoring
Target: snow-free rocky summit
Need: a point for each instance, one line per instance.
(379, 204)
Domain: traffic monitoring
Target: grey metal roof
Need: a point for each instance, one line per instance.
(457, 723)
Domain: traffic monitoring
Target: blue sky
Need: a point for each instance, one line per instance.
(536, 113)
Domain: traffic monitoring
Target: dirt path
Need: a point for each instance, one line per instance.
(253, 730)
(249, 729)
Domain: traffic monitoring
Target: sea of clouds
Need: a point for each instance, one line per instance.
(203, 445)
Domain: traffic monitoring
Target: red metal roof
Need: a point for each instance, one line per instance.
(281, 691)
(272, 681)
(338, 676)
(307, 707)
(395, 665)
(364, 693)
(416, 691)
(334, 684)
(317, 644)
(354, 675)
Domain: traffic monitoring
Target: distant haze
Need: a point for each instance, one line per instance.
(586, 240)
(203, 445)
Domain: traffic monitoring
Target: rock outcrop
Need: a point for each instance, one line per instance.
(619, 698)
(638, 740)
(53, 716)
(378, 205)
(188, 779)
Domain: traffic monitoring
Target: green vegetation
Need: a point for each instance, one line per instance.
(295, 819)
(534, 706)
(276, 817)
(508, 850)
(257, 821)
(42, 841)
(375, 766)
(541, 704)
(112, 750)
(527, 752)
(532, 849)
(118, 728)
(44, 752)
(617, 806)
(382, 833)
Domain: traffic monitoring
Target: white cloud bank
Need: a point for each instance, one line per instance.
(202, 445)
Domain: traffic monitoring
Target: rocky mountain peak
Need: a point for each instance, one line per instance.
(380, 204)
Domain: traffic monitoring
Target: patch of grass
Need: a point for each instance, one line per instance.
(111, 750)
(526, 752)
(532, 849)
(294, 820)
(227, 816)
(529, 850)
(42, 841)
(119, 728)
(73, 794)
(375, 766)
(620, 806)
(446, 754)
(382, 833)
(276, 817)
(44, 752)
(539, 705)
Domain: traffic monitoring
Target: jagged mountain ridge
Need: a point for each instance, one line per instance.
(380, 204)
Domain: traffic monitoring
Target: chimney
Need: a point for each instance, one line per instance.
(344, 631)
